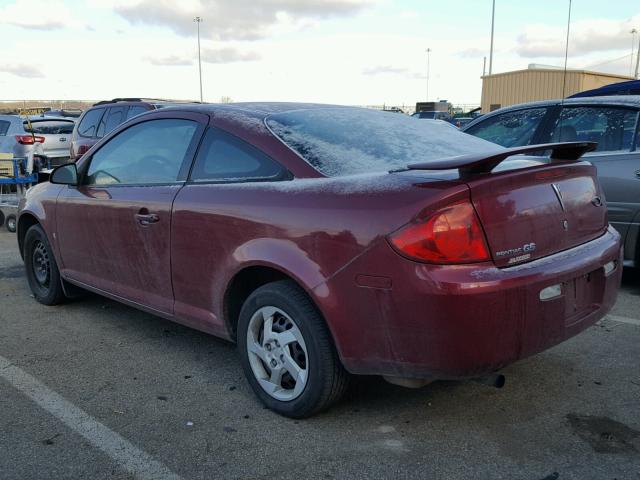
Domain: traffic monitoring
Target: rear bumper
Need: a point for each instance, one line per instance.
(430, 321)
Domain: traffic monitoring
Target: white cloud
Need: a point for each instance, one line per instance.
(586, 36)
(39, 15)
(227, 55)
(234, 19)
(22, 70)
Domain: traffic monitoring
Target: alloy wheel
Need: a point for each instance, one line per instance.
(277, 353)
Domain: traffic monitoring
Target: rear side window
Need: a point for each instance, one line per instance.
(510, 129)
(53, 127)
(612, 128)
(89, 124)
(133, 111)
(147, 153)
(4, 127)
(113, 118)
(224, 157)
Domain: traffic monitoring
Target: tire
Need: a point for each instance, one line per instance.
(298, 334)
(41, 268)
(11, 223)
(1, 218)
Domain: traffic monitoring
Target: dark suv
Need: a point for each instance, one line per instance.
(104, 116)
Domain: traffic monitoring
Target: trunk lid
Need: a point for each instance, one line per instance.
(531, 213)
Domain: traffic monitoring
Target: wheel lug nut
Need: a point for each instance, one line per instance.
(273, 362)
(277, 344)
(268, 347)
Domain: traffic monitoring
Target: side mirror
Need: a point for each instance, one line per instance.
(66, 174)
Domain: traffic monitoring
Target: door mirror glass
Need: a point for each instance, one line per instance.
(65, 175)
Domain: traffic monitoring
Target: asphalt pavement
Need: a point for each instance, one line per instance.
(97, 390)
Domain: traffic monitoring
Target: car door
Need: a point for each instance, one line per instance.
(114, 229)
(617, 158)
(213, 216)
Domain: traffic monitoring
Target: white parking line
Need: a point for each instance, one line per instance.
(123, 452)
(618, 318)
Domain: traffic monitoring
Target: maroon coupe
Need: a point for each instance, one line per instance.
(329, 241)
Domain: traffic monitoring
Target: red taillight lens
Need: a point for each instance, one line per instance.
(82, 149)
(451, 235)
(28, 139)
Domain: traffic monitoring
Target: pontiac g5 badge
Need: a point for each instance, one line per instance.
(521, 253)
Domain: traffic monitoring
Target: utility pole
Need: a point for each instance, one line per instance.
(428, 66)
(637, 58)
(633, 44)
(493, 18)
(198, 20)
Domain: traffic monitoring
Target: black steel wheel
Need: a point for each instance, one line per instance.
(41, 267)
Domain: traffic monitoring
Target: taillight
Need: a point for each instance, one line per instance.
(82, 149)
(28, 139)
(451, 235)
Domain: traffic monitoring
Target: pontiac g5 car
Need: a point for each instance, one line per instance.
(329, 241)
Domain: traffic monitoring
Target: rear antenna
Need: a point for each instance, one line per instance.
(564, 73)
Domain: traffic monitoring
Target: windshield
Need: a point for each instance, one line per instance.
(44, 127)
(345, 141)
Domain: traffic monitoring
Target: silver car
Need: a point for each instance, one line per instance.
(36, 135)
(613, 122)
(56, 132)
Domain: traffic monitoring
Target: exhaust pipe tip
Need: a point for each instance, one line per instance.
(496, 380)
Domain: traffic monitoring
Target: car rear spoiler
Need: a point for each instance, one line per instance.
(476, 163)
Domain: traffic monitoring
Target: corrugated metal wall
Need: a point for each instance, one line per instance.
(522, 86)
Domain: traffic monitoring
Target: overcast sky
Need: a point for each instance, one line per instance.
(358, 52)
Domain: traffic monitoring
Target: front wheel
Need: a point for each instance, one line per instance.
(41, 267)
(287, 352)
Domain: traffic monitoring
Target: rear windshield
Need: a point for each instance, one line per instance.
(347, 141)
(4, 127)
(44, 127)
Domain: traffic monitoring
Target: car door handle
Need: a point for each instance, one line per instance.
(637, 173)
(145, 219)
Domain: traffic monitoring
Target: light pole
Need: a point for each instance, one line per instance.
(428, 66)
(198, 20)
(633, 44)
(637, 56)
(493, 18)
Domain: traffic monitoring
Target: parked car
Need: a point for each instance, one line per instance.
(329, 241)
(102, 117)
(435, 115)
(631, 87)
(56, 132)
(15, 139)
(610, 121)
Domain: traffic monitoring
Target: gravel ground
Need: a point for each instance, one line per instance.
(173, 403)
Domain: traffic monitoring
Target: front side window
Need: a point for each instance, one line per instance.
(612, 128)
(510, 129)
(224, 157)
(89, 124)
(147, 153)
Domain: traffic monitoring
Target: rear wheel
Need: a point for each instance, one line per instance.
(1, 218)
(287, 352)
(11, 223)
(41, 268)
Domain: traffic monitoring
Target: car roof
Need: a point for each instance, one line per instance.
(625, 100)
(259, 109)
(615, 100)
